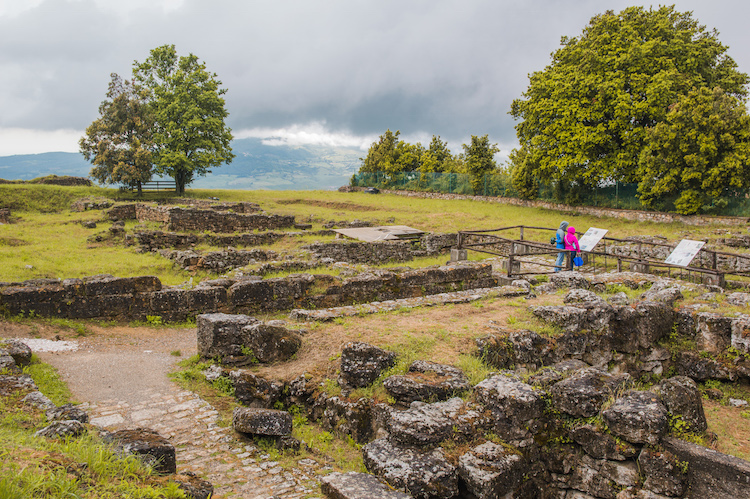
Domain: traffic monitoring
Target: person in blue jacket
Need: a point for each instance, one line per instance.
(560, 244)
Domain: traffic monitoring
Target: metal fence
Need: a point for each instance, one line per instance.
(617, 195)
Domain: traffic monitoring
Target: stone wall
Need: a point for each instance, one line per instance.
(136, 298)
(378, 252)
(154, 240)
(635, 215)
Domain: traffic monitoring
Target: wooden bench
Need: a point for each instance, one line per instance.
(157, 185)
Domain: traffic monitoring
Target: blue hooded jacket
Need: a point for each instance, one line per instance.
(560, 235)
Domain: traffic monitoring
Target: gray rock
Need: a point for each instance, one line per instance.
(428, 424)
(583, 296)
(67, 412)
(62, 429)
(220, 335)
(515, 406)
(602, 478)
(10, 383)
(571, 280)
(38, 399)
(148, 445)
(353, 485)
(254, 391)
(700, 369)
(353, 418)
(619, 299)
(663, 471)
(20, 352)
(713, 331)
(550, 375)
(601, 445)
(638, 417)
(682, 398)
(582, 394)
(8, 364)
(268, 422)
(491, 471)
(740, 334)
(567, 317)
(738, 299)
(427, 381)
(271, 343)
(425, 474)
(362, 364)
(193, 486)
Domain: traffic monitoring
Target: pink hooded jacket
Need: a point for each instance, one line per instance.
(571, 241)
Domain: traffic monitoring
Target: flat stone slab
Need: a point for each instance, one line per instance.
(268, 422)
(354, 485)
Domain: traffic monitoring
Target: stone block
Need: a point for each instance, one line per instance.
(353, 485)
(425, 474)
(459, 255)
(516, 406)
(206, 300)
(582, 394)
(427, 381)
(491, 471)
(638, 417)
(353, 418)
(149, 446)
(713, 331)
(110, 285)
(255, 391)
(268, 422)
(682, 398)
(220, 335)
(362, 364)
(270, 343)
(168, 300)
(664, 473)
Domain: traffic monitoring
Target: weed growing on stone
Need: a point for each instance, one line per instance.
(476, 369)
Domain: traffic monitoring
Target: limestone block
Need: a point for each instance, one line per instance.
(220, 335)
(270, 343)
(664, 473)
(353, 485)
(268, 422)
(713, 331)
(516, 406)
(148, 445)
(601, 445)
(491, 471)
(638, 417)
(353, 418)
(682, 398)
(62, 429)
(255, 391)
(361, 363)
(427, 381)
(582, 394)
(67, 412)
(425, 474)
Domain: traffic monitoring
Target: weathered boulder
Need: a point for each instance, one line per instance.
(62, 429)
(427, 381)
(67, 412)
(682, 398)
(664, 473)
(582, 394)
(567, 317)
(18, 350)
(740, 334)
(563, 280)
(425, 474)
(353, 485)
(619, 299)
(710, 473)
(602, 478)
(698, 368)
(516, 407)
(148, 445)
(193, 486)
(491, 471)
(354, 418)
(583, 296)
(255, 391)
(8, 364)
(601, 445)
(268, 422)
(361, 363)
(713, 332)
(10, 383)
(638, 417)
(271, 343)
(220, 335)
(548, 376)
(655, 321)
(427, 424)
(39, 400)
(738, 299)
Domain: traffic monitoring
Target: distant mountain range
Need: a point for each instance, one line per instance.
(256, 166)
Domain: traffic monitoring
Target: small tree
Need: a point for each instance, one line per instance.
(120, 141)
(190, 133)
(479, 160)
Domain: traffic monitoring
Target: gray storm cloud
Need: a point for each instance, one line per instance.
(449, 68)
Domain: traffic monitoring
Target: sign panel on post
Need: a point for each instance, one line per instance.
(684, 253)
(591, 238)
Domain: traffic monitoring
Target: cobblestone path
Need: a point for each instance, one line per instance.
(123, 382)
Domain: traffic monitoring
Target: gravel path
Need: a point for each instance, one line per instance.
(120, 375)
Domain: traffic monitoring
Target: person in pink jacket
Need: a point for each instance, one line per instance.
(571, 244)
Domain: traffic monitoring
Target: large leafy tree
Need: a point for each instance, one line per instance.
(585, 118)
(699, 155)
(479, 160)
(190, 133)
(119, 142)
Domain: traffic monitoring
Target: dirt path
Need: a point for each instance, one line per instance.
(120, 376)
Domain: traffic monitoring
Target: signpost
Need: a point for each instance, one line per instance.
(591, 238)
(684, 253)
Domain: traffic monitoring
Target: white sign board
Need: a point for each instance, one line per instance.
(684, 253)
(591, 238)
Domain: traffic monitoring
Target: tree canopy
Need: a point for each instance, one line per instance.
(585, 118)
(119, 143)
(190, 135)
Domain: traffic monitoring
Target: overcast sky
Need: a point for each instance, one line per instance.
(322, 71)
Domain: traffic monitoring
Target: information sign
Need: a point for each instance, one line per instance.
(684, 253)
(591, 238)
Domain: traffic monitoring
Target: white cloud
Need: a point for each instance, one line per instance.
(313, 133)
(27, 141)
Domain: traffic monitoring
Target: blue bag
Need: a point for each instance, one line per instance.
(578, 261)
